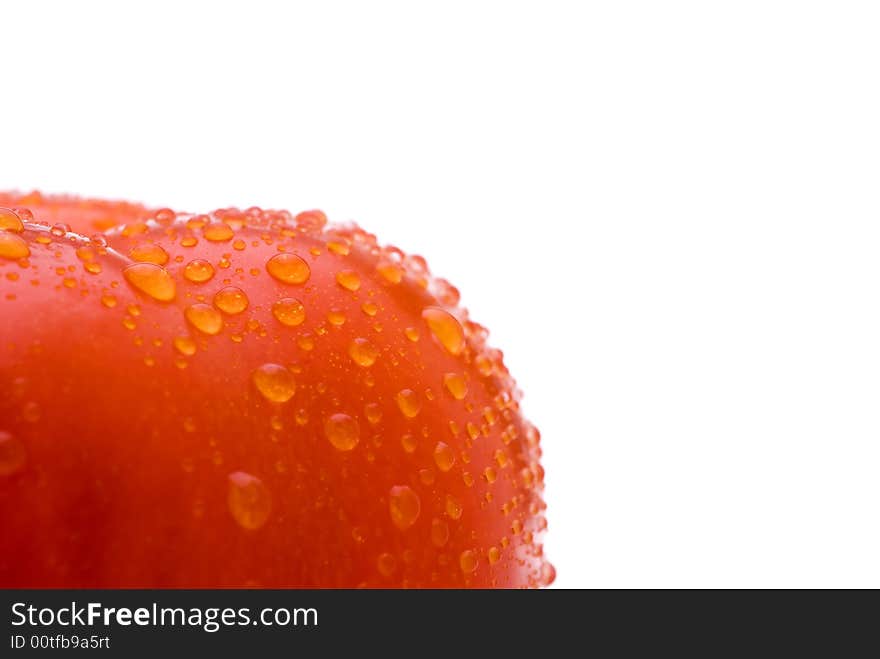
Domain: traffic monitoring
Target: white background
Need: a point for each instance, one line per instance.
(666, 212)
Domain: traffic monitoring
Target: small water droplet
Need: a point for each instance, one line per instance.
(217, 232)
(494, 555)
(391, 272)
(152, 280)
(185, 345)
(342, 431)
(404, 506)
(348, 279)
(444, 456)
(274, 382)
(288, 268)
(453, 507)
(408, 402)
(363, 352)
(456, 385)
(108, 300)
(386, 563)
(198, 271)
(445, 328)
(231, 300)
(411, 333)
(289, 311)
(409, 443)
(204, 318)
(249, 500)
(467, 561)
(373, 413)
(439, 532)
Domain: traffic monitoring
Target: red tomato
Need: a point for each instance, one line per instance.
(251, 399)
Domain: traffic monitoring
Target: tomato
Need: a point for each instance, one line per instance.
(251, 399)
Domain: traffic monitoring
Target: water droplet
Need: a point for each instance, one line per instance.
(439, 532)
(373, 413)
(275, 382)
(370, 308)
(391, 272)
(10, 221)
(494, 555)
(411, 333)
(467, 561)
(336, 317)
(363, 352)
(204, 318)
(348, 279)
(409, 443)
(386, 564)
(189, 241)
(288, 268)
(152, 280)
(198, 271)
(218, 232)
(189, 424)
(12, 454)
(342, 431)
(148, 253)
(404, 506)
(289, 311)
(408, 402)
(108, 300)
(339, 247)
(238, 244)
(92, 267)
(444, 456)
(13, 246)
(185, 345)
(453, 507)
(456, 385)
(446, 328)
(548, 574)
(249, 500)
(489, 474)
(231, 300)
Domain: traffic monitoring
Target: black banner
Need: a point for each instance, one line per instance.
(127, 622)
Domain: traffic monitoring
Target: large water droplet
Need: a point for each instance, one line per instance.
(444, 457)
(249, 500)
(363, 352)
(152, 280)
(288, 268)
(446, 328)
(274, 382)
(456, 385)
(231, 300)
(13, 246)
(408, 402)
(289, 311)
(467, 561)
(348, 279)
(10, 221)
(149, 253)
(404, 506)
(204, 318)
(198, 271)
(342, 431)
(218, 232)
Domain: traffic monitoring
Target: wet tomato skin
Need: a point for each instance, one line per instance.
(253, 399)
